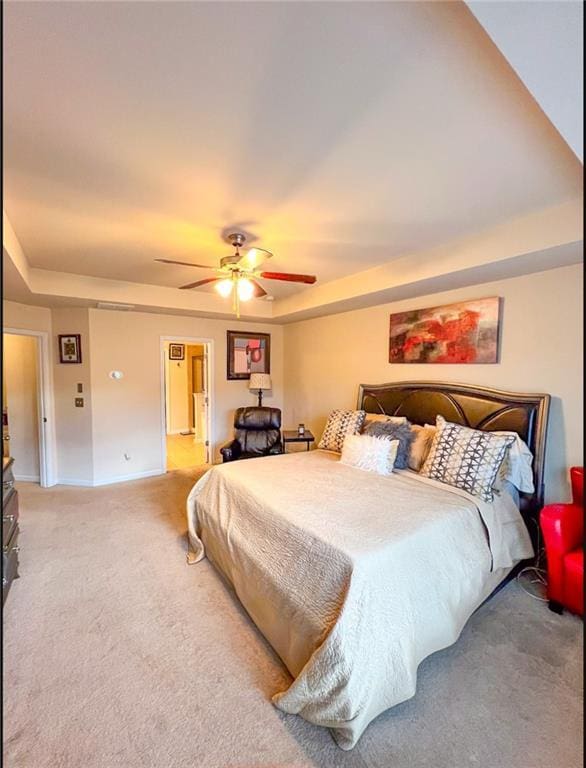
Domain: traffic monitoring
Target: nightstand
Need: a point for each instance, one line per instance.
(293, 436)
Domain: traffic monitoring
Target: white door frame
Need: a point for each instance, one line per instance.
(209, 344)
(46, 409)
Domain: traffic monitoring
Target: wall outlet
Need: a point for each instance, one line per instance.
(79, 402)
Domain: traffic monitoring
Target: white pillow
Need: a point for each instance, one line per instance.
(372, 454)
(517, 464)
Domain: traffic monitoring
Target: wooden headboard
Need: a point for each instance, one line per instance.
(476, 407)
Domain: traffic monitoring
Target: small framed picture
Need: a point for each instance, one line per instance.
(69, 348)
(176, 351)
(248, 353)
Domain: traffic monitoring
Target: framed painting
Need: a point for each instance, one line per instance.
(176, 351)
(466, 332)
(69, 348)
(248, 353)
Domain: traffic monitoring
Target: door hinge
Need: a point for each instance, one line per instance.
(44, 419)
(207, 442)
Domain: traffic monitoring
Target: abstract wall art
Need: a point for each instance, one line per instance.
(466, 332)
(248, 353)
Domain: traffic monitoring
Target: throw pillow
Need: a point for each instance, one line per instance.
(466, 458)
(517, 466)
(371, 417)
(400, 432)
(372, 454)
(423, 438)
(339, 424)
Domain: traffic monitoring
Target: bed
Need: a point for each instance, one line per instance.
(355, 578)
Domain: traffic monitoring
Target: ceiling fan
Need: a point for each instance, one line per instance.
(236, 274)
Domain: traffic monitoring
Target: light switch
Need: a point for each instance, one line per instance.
(79, 402)
(80, 387)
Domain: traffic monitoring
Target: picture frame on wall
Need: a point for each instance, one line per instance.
(69, 348)
(247, 353)
(462, 333)
(176, 351)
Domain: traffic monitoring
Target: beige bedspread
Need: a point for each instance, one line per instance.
(352, 577)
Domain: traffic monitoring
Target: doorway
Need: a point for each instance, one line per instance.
(186, 402)
(21, 432)
(45, 406)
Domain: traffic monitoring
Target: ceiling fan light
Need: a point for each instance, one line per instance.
(245, 289)
(224, 287)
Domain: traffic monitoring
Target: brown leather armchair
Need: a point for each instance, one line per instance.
(257, 432)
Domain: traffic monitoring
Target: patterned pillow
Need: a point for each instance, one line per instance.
(340, 423)
(466, 458)
(400, 432)
(372, 454)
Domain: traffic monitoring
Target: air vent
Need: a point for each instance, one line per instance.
(112, 305)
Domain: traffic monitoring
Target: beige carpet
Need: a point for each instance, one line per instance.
(116, 653)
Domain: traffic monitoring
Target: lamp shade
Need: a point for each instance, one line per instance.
(259, 381)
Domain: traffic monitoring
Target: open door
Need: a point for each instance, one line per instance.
(187, 402)
(201, 398)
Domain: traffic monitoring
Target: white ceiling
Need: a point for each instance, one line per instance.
(340, 135)
(544, 43)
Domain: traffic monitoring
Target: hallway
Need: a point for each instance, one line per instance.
(183, 452)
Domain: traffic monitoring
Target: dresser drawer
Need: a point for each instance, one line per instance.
(7, 482)
(9, 563)
(9, 517)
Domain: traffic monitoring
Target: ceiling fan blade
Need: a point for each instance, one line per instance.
(253, 258)
(185, 263)
(259, 291)
(200, 282)
(288, 277)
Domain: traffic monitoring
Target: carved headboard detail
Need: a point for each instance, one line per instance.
(476, 407)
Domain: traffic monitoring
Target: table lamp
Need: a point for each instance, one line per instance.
(259, 381)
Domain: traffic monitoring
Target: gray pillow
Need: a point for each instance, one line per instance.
(400, 432)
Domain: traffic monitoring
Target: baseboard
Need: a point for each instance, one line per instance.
(126, 478)
(27, 478)
(110, 480)
(74, 481)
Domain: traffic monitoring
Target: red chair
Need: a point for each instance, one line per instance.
(563, 529)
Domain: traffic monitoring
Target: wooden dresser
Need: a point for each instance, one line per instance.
(9, 528)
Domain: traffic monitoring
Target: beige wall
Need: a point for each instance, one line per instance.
(15, 315)
(20, 384)
(124, 417)
(73, 424)
(127, 413)
(327, 358)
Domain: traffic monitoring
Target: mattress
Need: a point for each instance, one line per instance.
(353, 578)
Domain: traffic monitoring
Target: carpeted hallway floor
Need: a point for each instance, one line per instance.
(119, 654)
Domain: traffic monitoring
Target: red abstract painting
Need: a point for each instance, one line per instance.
(467, 332)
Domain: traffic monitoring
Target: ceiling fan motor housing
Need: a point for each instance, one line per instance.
(237, 239)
